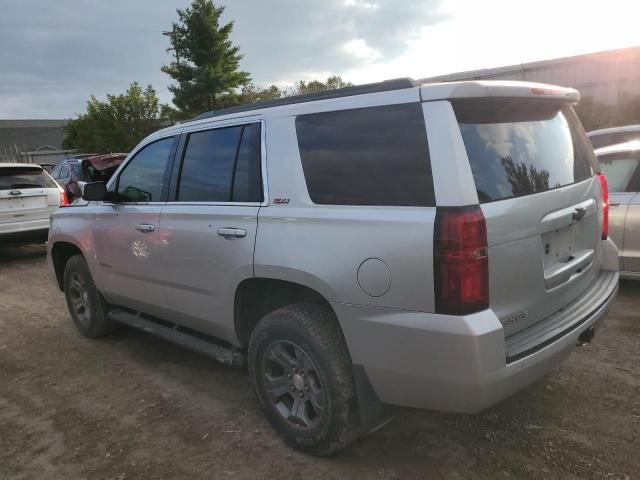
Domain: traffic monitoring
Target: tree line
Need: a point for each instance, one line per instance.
(206, 74)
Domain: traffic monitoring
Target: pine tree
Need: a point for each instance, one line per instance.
(207, 64)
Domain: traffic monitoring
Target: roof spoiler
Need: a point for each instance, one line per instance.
(499, 89)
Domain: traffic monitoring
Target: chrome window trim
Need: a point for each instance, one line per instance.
(128, 159)
(263, 159)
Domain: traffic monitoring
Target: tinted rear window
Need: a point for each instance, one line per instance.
(367, 156)
(24, 177)
(522, 147)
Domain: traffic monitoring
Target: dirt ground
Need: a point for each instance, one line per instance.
(135, 407)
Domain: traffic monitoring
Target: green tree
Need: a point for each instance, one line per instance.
(332, 83)
(594, 115)
(627, 111)
(251, 92)
(117, 124)
(254, 93)
(206, 66)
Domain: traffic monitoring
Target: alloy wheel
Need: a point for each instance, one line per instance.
(292, 383)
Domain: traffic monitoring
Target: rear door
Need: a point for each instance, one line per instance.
(623, 174)
(26, 193)
(533, 169)
(208, 230)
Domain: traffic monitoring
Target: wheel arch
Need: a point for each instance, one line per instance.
(61, 252)
(257, 296)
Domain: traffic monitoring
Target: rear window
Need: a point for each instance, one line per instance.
(613, 138)
(24, 177)
(517, 148)
(367, 156)
(622, 172)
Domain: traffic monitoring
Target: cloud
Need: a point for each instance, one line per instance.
(295, 37)
(359, 49)
(54, 55)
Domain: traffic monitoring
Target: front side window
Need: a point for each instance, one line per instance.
(520, 147)
(222, 165)
(367, 156)
(143, 178)
(622, 172)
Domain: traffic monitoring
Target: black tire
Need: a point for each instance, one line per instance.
(87, 307)
(307, 336)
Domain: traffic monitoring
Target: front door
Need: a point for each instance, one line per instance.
(208, 231)
(126, 232)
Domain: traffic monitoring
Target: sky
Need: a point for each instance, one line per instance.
(55, 54)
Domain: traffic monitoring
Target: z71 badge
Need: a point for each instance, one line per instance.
(515, 318)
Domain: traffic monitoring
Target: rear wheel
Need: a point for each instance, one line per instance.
(87, 307)
(302, 375)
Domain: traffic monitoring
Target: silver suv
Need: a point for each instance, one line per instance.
(437, 246)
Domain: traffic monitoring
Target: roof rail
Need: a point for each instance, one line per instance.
(385, 86)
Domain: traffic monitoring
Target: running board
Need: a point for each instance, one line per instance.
(225, 355)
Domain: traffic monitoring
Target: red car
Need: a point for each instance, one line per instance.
(72, 173)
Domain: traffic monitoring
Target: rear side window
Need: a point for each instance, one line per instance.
(622, 172)
(368, 156)
(222, 165)
(24, 177)
(520, 147)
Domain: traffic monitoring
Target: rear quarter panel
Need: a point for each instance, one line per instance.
(323, 246)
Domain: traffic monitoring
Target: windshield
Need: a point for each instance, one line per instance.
(519, 147)
(621, 171)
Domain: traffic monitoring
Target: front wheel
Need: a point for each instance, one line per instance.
(302, 375)
(87, 307)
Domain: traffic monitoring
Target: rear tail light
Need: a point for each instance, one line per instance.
(604, 189)
(64, 199)
(461, 263)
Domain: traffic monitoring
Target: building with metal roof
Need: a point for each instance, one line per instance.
(604, 76)
(30, 140)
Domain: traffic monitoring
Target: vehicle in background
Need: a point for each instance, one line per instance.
(47, 167)
(438, 246)
(613, 136)
(73, 173)
(621, 165)
(28, 197)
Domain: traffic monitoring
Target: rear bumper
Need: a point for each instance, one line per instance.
(25, 232)
(460, 364)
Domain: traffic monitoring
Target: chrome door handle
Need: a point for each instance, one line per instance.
(614, 204)
(232, 232)
(145, 227)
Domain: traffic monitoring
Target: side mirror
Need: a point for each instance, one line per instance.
(94, 191)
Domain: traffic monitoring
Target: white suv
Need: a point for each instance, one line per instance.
(28, 197)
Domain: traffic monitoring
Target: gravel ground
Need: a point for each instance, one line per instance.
(134, 407)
